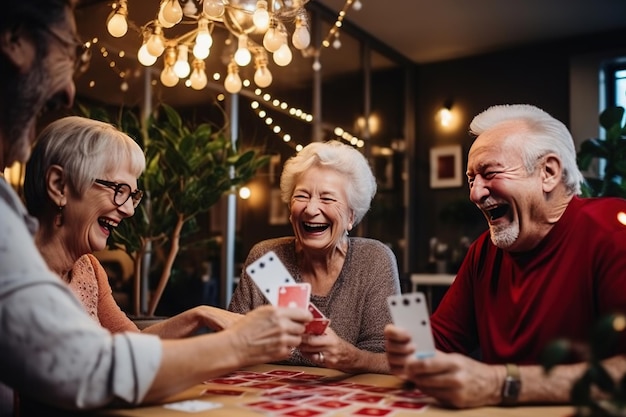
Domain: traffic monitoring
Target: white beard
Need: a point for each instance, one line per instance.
(504, 236)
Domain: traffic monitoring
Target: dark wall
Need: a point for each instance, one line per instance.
(536, 74)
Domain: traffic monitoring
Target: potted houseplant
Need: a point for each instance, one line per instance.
(594, 394)
(609, 152)
(188, 169)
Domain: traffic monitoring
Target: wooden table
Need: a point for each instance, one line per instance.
(236, 405)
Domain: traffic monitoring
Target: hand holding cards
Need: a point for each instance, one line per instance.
(410, 312)
(280, 289)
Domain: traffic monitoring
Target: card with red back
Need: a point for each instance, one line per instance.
(320, 322)
(410, 312)
(294, 295)
(372, 411)
(316, 326)
(269, 273)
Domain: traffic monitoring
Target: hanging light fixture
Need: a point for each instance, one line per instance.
(258, 26)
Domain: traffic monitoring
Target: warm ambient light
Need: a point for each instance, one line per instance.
(445, 114)
(117, 24)
(244, 193)
(268, 21)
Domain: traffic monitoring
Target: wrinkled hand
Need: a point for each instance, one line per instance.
(334, 350)
(267, 333)
(218, 318)
(454, 380)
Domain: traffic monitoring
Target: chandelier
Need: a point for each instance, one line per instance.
(258, 26)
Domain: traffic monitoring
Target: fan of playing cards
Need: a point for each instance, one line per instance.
(281, 290)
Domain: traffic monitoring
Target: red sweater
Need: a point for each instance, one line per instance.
(510, 305)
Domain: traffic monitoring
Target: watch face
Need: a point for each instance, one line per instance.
(510, 390)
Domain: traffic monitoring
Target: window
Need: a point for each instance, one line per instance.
(615, 76)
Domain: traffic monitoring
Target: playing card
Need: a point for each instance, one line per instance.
(294, 295)
(192, 406)
(365, 398)
(410, 312)
(317, 326)
(269, 273)
(371, 411)
(317, 314)
(231, 392)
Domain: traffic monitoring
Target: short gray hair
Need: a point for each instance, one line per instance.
(85, 148)
(343, 159)
(545, 135)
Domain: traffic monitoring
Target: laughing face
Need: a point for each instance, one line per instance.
(320, 215)
(41, 83)
(91, 218)
(510, 198)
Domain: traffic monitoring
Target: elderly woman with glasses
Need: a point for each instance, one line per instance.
(81, 182)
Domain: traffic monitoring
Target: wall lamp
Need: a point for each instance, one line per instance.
(445, 113)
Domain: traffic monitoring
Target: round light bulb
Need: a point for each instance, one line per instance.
(232, 83)
(155, 45)
(316, 65)
(262, 76)
(198, 79)
(145, 57)
(273, 39)
(301, 37)
(181, 67)
(161, 18)
(117, 25)
(205, 39)
(244, 193)
(168, 77)
(172, 12)
(243, 55)
(213, 8)
(261, 18)
(190, 8)
(283, 56)
(201, 52)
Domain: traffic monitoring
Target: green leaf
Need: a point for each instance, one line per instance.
(611, 116)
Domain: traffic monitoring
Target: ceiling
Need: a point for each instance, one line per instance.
(427, 31)
(422, 31)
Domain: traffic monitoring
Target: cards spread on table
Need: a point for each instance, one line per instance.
(410, 312)
(280, 289)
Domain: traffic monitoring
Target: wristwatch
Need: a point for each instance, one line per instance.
(512, 385)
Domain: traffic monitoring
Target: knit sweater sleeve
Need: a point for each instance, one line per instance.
(109, 313)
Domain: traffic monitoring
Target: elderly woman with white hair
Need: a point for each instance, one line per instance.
(328, 187)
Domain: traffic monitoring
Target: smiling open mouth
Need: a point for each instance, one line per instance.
(314, 227)
(496, 213)
(107, 224)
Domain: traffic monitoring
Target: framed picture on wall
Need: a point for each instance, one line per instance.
(279, 213)
(445, 167)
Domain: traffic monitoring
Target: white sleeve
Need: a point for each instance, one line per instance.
(50, 349)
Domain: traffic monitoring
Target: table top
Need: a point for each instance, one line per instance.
(432, 279)
(314, 392)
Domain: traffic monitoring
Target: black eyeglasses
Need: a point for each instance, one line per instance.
(122, 193)
(82, 52)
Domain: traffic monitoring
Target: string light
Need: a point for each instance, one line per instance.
(240, 20)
